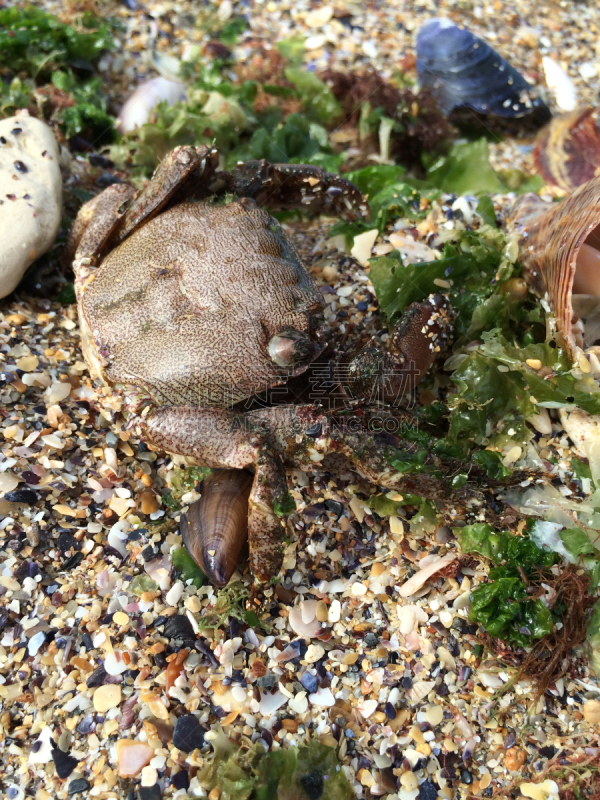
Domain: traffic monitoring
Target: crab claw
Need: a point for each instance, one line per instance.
(388, 373)
(215, 528)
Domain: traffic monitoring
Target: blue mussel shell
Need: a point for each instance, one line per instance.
(463, 71)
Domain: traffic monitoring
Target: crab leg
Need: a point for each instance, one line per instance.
(293, 186)
(94, 227)
(367, 438)
(175, 179)
(222, 439)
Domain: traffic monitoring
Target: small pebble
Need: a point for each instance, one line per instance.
(107, 697)
(591, 711)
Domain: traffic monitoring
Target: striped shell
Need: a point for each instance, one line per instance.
(463, 71)
(567, 151)
(559, 250)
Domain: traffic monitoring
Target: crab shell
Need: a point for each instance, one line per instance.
(551, 236)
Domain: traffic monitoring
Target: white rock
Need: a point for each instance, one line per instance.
(367, 707)
(269, 703)
(58, 392)
(35, 643)
(299, 703)
(30, 195)
(115, 664)
(323, 697)
(548, 790)
(319, 17)
(302, 619)
(173, 596)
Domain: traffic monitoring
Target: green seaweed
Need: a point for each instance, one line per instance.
(37, 42)
(318, 102)
(186, 567)
(593, 639)
(465, 170)
(297, 773)
(503, 606)
(285, 507)
(88, 114)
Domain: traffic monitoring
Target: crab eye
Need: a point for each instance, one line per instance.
(291, 347)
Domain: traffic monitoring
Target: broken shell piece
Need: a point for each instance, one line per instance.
(303, 619)
(215, 528)
(583, 430)
(558, 246)
(567, 151)
(421, 577)
(31, 195)
(560, 84)
(548, 790)
(137, 108)
(132, 756)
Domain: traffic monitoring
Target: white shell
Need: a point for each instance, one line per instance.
(560, 84)
(31, 201)
(137, 108)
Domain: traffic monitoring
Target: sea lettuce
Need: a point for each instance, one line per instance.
(503, 606)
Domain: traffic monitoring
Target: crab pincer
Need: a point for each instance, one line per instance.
(390, 373)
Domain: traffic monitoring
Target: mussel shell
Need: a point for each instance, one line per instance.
(550, 239)
(215, 528)
(463, 71)
(567, 151)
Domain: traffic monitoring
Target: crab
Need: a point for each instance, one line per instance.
(191, 300)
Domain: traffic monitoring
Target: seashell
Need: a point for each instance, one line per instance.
(178, 626)
(137, 108)
(560, 84)
(559, 247)
(463, 71)
(215, 528)
(567, 151)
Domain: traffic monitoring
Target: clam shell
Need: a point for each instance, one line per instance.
(551, 239)
(215, 528)
(567, 151)
(463, 71)
(137, 108)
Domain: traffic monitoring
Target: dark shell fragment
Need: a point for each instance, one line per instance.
(149, 792)
(27, 496)
(179, 627)
(63, 762)
(188, 734)
(215, 528)
(463, 71)
(78, 785)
